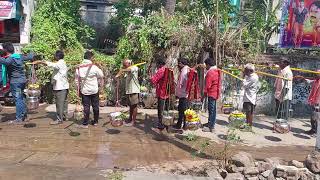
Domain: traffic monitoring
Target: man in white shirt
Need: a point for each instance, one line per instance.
(251, 88)
(132, 89)
(60, 86)
(181, 91)
(283, 90)
(87, 80)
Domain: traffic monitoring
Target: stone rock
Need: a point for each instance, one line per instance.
(235, 176)
(271, 176)
(214, 174)
(251, 171)
(253, 178)
(266, 173)
(275, 161)
(223, 173)
(305, 174)
(296, 164)
(242, 159)
(313, 162)
(264, 166)
(261, 177)
(234, 169)
(287, 172)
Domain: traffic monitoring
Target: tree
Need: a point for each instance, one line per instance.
(170, 6)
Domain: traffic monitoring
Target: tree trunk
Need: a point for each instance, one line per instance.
(170, 6)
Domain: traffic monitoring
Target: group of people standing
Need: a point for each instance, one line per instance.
(89, 80)
(250, 84)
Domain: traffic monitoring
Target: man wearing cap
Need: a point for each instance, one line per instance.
(251, 87)
(132, 89)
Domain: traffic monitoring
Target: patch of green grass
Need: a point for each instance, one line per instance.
(115, 175)
(191, 137)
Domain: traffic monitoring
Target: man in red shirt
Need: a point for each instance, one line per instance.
(158, 80)
(212, 91)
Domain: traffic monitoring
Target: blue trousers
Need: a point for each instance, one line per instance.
(17, 91)
(212, 112)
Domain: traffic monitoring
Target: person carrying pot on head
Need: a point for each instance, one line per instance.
(251, 87)
(87, 79)
(283, 90)
(17, 78)
(212, 91)
(181, 91)
(314, 101)
(132, 89)
(159, 81)
(60, 86)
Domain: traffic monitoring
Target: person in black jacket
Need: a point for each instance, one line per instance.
(17, 78)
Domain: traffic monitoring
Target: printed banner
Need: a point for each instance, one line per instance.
(300, 24)
(8, 9)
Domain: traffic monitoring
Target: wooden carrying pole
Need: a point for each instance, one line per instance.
(121, 70)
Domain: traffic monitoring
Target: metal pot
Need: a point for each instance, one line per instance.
(193, 125)
(281, 126)
(103, 103)
(33, 103)
(148, 99)
(78, 115)
(117, 122)
(33, 92)
(167, 119)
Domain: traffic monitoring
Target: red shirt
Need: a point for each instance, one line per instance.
(212, 87)
(158, 81)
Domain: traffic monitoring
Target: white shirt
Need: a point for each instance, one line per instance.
(251, 87)
(132, 81)
(181, 89)
(89, 75)
(60, 75)
(282, 84)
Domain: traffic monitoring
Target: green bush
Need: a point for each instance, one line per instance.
(58, 25)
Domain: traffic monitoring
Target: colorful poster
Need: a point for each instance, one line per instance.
(300, 24)
(8, 9)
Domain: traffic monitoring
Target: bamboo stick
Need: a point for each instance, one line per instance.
(272, 75)
(293, 69)
(230, 74)
(304, 70)
(121, 70)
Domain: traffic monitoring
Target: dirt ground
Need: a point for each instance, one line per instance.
(127, 148)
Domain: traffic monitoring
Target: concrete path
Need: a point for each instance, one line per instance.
(49, 152)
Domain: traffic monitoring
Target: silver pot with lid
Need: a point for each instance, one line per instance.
(33, 103)
(33, 93)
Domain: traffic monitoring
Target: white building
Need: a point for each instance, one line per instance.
(15, 21)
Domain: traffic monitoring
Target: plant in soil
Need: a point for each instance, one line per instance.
(223, 157)
(191, 137)
(115, 175)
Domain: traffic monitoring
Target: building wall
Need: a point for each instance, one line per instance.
(96, 13)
